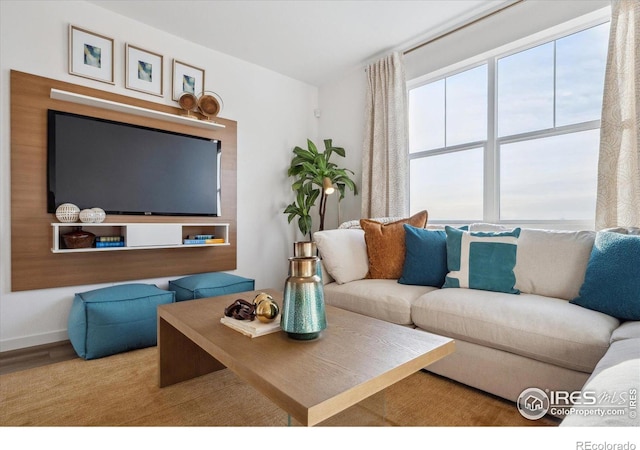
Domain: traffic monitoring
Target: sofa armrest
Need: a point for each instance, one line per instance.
(615, 385)
(627, 330)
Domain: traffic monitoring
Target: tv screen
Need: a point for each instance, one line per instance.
(128, 169)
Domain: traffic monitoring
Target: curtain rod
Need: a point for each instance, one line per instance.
(463, 26)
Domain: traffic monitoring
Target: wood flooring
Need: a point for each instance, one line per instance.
(28, 358)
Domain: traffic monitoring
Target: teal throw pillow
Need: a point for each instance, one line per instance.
(482, 260)
(612, 280)
(425, 261)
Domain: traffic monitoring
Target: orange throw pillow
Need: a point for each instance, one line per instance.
(385, 245)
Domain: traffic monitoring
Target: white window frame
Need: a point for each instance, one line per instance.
(491, 178)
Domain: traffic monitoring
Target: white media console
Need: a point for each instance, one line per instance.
(140, 236)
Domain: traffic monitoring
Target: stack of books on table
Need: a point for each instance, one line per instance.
(203, 239)
(253, 328)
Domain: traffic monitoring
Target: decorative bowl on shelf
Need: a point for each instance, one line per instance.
(67, 213)
(78, 238)
(210, 104)
(188, 102)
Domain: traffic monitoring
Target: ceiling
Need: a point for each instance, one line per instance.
(312, 41)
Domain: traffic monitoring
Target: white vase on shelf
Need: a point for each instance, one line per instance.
(67, 213)
(100, 215)
(87, 216)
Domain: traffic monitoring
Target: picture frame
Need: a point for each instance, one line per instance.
(186, 78)
(91, 55)
(143, 70)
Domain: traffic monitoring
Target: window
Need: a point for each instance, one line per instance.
(514, 138)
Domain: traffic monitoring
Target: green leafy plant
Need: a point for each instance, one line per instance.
(311, 169)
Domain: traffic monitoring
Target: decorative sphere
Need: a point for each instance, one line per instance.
(266, 308)
(67, 213)
(87, 216)
(100, 215)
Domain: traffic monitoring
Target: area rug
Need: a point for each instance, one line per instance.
(122, 390)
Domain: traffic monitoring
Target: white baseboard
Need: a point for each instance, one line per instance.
(34, 340)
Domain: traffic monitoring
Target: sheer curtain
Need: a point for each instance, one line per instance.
(618, 200)
(384, 155)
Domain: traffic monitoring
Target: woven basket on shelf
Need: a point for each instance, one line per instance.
(78, 238)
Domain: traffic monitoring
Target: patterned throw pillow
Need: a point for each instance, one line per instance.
(386, 246)
(482, 260)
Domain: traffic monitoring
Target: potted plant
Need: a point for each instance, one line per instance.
(316, 177)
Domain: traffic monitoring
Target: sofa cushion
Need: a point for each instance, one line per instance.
(549, 262)
(385, 245)
(543, 328)
(382, 299)
(344, 253)
(481, 260)
(612, 280)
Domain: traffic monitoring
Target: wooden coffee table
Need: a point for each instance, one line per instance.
(353, 359)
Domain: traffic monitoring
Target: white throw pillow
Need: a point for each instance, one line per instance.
(343, 253)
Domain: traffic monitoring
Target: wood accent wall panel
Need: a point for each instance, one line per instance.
(33, 265)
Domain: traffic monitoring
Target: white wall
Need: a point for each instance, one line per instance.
(342, 105)
(274, 113)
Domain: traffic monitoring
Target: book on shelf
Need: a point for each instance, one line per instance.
(109, 238)
(253, 328)
(109, 244)
(203, 241)
(201, 236)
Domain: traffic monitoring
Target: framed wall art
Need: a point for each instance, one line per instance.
(143, 70)
(90, 55)
(187, 78)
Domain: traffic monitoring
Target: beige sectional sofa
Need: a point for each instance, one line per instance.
(505, 343)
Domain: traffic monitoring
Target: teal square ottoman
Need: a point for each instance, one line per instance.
(209, 284)
(115, 319)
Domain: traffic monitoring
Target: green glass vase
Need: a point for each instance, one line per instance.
(303, 314)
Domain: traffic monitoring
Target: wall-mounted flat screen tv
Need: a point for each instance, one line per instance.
(128, 169)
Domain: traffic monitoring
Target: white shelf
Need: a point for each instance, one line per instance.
(80, 99)
(139, 236)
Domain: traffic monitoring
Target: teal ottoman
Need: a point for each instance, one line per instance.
(209, 284)
(115, 319)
